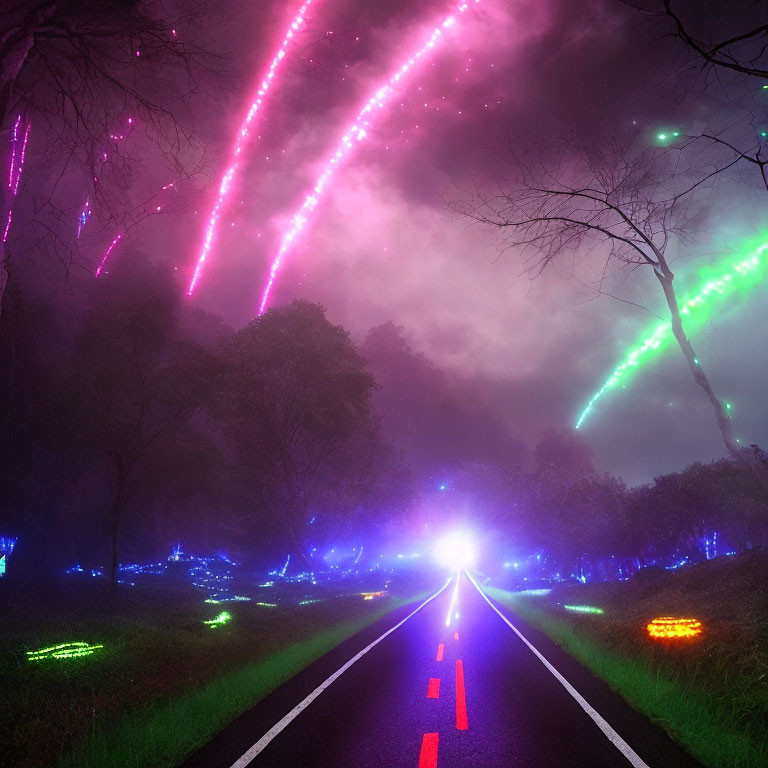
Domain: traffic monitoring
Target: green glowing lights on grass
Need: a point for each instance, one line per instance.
(233, 599)
(219, 620)
(744, 272)
(63, 651)
(267, 605)
(583, 609)
(309, 602)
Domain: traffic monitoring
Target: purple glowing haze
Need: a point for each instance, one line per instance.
(379, 243)
(382, 245)
(355, 133)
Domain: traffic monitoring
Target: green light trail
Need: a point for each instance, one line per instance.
(743, 272)
(63, 651)
(583, 609)
(221, 619)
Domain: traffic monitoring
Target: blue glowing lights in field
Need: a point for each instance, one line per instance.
(7, 543)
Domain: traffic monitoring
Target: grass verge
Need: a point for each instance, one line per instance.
(165, 734)
(710, 695)
(163, 683)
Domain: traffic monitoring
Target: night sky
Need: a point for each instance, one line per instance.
(385, 244)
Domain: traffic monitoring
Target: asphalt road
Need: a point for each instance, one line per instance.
(466, 693)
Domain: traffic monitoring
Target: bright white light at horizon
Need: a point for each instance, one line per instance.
(456, 550)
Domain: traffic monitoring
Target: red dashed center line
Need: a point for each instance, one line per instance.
(461, 699)
(433, 691)
(440, 649)
(428, 754)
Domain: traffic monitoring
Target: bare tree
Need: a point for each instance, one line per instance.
(100, 84)
(745, 52)
(630, 202)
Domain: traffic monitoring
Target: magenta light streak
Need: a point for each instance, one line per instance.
(21, 159)
(241, 141)
(16, 168)
(107, 252)
(7, 224)
(355, 133)
(14, 140)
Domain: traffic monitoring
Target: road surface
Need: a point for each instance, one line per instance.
(458, 681)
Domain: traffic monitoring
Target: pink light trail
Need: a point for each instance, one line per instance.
(15, 169)
(14, 140)
(117, 239)
(241, 141)
(21, 159)
(356, 132)
(155, 209)
(8, 224)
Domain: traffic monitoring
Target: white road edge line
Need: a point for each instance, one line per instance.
(599, 721)
(262, 743)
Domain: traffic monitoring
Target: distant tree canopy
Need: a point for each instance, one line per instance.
(438, 421)
(298, 414)
(126, 432)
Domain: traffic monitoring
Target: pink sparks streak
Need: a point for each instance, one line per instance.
(356, 132)
(8, 224)
(21, 159)
(107, 252)
(16, 169)
(14, 140)
(241, 140)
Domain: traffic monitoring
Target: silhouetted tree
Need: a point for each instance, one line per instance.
(142, 387)
(86, 76)
(578, 196)
(297, 412)
(721, 35)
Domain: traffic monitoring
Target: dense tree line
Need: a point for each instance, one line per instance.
(588, 525)
(134, 419)
(131, 419)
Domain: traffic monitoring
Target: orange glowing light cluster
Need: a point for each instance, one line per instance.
(668, 627)
(371, 595)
